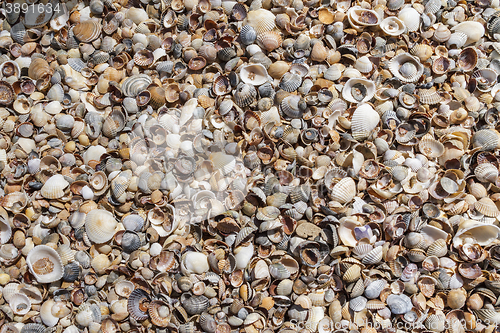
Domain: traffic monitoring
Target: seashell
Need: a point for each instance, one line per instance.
(373, 290)
(248, 34)
(194, 304)
(373, 257)
(485, 139)
(457, 40)
(441, 65)
(422, 51)
(392, 26)
(431, 147)
(399, 304)
(20, 303)
(143, 58)
(358, 90)
(406, 67)
(363, 121)
(410, 17)
(360, 17)
(394, 5)
(54, 187)
(476, 233)
(261, 20)
(344, 191)
(159, 312)
(138, 303)
(45, 264)
(473, 30)
(244, 94)
(486, 172)
(100, 225)
(39, 69)
(486, 207)
(7, 94)
(293, 106)
(269, 40)
(133, 85)
(254, 74)
(87, 31)
(441, 34)
(72, 272)
(290, 82)
(358, 303)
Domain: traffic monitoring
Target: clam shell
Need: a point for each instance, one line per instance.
(254, 74)
(359, 17)
(45, 264)
(133, 85)
(344, 191)
(54, 187)
(37, 15)
(269, 40)
(410, 17)
(473, 30)
(486, 172)
(100, 225)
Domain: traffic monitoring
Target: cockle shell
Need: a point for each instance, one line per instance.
(100, 225)
(473, 30)
(360, 17)
(87, 31)
(261, 20)
(344, 191)
(410, 17)
(406, 67)
(358, 90)
(45, 264)
(363, 121)
(54, 187)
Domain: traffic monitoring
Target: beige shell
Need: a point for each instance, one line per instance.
(87, 31)
(363, 121)
(475, 232)
(441, 34)
(100, 225)
(20, 304)
(261, 20)
(54, 187)
(45, 264)
(269, 40)
(360, 17)
(406, 67)
(344, 191)
(486, 172)
(474, 30)
(358, 90)
(487, 207)
(431, 147)
(392, 26)
(364, 65)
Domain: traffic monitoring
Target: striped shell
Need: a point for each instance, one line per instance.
(87, 31)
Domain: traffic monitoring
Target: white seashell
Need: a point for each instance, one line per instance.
(406, 67)
(45, 264)
(392, 26)
(316, 314)
(20, 304)
(243, 255)
(363, 121)
(254, 74)
(364, 65)
(100, 225)
(475, 232)
(5, 231)
(93, 153)
(54, 187)
(474, 30)
(195, 262)
(188, 111)
(358, 90)
(46, 313)
(223, 162)
(360, 17)
(410, 17)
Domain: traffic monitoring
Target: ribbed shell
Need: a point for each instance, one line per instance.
(269, 40)
(406, 67)
(261, 20)
(363, 121)
(245, 95)
(45, 264)
(100, 225)
(87, 31)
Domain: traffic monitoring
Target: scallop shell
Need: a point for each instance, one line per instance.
(244, 95)
(364, 65)
(45, 264)
(358, 90)
(159, 312)
(406, 67)
(100, 225)
(431, 147)
(487, 207)
(87, 31)
(486, 172)
(138, 303)
(363, 121)
(254, 74)
(290, 82)
(392, 26)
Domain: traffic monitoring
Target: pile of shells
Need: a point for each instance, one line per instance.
(249, 166)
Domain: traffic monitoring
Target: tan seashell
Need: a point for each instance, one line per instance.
(261, 20)
(344, 191)
(441, 34)
(39, 69)
(473, 30)
(359, 17)
(442, 65)
(278, 69)
(269, 40)
(319, 52)
(487, 207)
(431, 147)
(326, 15)
(358, 90)
(87, 31)
(54, 187)
(363, 121)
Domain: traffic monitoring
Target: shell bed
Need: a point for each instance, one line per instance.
(253, 166)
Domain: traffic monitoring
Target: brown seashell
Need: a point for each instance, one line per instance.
(144, 58)
(87, 31)
(39, 69)
(197, 63)
(467, 59)
(158, 97)
(269, 40)
(7, 94)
